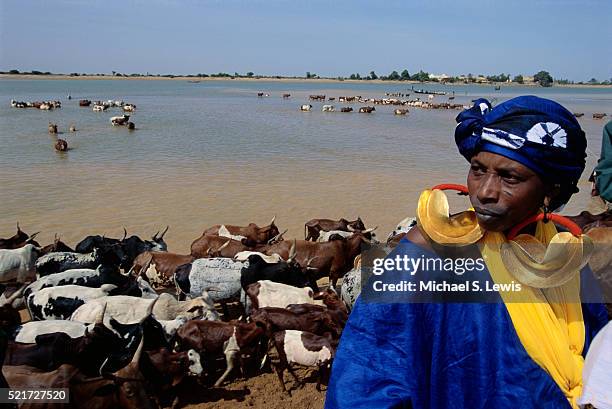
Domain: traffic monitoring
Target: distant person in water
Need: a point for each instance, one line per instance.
(526, 156)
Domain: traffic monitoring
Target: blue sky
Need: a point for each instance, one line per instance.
(569, 38)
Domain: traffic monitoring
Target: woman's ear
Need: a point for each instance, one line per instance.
(551, 194)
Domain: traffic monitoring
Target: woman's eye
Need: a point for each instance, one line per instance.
(511, 180)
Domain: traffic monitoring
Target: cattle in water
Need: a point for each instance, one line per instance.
(346, 109)
(52, 128)
(400, 111)
(213, 338)
(266, 293)
(599, 115)
(286, 96)
(578, 114)
(305, 107)
(250, 235)
(18, 264)
(61, 145)
(302, 348)
(333, 258)
(312, 228)
(124, 389)
(129, 108)
(367, 110)
(158, 268)
(18, 240)
(120, 120)
(84, 103)
(58, 303)
(328, 108)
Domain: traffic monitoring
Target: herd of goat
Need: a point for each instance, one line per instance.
(104, 321)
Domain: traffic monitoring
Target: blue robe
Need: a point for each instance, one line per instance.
(441, 355)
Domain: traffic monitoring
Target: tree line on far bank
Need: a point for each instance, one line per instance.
(543, 78)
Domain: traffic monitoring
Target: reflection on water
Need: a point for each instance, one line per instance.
(213, 152)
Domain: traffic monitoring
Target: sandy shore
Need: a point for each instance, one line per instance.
(267, 79)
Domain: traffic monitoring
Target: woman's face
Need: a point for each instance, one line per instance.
(503, 192)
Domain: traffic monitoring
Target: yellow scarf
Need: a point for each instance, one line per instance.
(552, 333)
(549, 325)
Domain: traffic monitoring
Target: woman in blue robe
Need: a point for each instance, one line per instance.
(525, 154)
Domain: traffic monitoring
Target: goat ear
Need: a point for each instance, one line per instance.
(108, 389)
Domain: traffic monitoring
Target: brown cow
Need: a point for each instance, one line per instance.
(158, 267)
(250, 235)
(275, 319)
(216, 246)
(57, 246)
(312, 228)
(19, 240)
(166, 370)
(334, 257)
(333, 304)
(124, 389)
(211, 338)
(61, 145)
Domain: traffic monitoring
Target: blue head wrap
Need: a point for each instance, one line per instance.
(536, 132)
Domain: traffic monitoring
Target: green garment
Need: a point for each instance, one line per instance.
(603, 170)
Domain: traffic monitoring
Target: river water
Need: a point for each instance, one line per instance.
(213, 152)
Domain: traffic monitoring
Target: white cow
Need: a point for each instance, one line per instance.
(120, 120)
(306, 107)
(328, 108)
(271, 259)
(266, 293)
(18, 264)
(403, 227)
(131, 310)
(325, 235)
(58, 303)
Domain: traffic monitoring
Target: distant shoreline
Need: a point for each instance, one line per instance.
(272, 79)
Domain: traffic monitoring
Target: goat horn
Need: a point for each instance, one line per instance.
(100, 316)
(224, 245)
(15, 295)
(369, 230)
(164, 232)
(292, 251)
